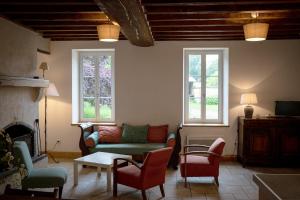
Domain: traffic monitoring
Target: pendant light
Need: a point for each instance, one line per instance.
(108, 32)
(256, 31)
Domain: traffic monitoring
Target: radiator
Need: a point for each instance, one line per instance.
(203, 140)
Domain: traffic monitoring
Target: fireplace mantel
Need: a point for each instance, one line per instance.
(15, 81)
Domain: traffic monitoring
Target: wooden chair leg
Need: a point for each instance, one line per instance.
(185, 181)
(144, 195)
(161, 187)
(60, 192)
(115, 189)
(217, 180)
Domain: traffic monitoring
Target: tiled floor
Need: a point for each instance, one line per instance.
(235, 184)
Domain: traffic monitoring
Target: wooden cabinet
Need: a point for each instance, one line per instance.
(272, 141)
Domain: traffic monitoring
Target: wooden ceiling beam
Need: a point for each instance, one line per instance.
(293, 21)
(47, 2)
(64, 28)
(29, 9)
(209, 2)
(223, 15)
(216, 28)
(64, 23)
(193, 9)
(91, 16)
(129, 14)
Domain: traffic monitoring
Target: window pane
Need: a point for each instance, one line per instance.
(194, 67)
(88, 63)
(194, 108)
(89, 110)
(212, 83)
(105, 69)
(105, 108)
(212, 61)
(194, 87)
(212, 103)
(89, 89)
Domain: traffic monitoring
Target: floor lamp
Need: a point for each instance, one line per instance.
(50, 91)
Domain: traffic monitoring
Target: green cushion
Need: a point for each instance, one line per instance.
(45, 178)
(134, 134)
(128, 149)
(92, 139)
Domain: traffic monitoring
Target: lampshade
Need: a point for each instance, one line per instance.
(51, 91)
(249, 98)
(44, 66)
(108, 32)
(256, 31)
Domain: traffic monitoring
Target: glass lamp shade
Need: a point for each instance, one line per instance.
(256, 31)
(249, 98)
(52, 91)
(108, 32)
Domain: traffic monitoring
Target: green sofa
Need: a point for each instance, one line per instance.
(134, 149)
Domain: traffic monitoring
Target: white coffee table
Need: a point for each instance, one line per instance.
(99, 160)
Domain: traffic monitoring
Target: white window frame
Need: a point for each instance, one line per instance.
(77, 87)
(222, 85)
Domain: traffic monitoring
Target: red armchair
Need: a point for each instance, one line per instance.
(151, 173)
(207, 164)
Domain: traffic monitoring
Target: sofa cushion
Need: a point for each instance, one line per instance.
(109, 134)
(128, 149)
(157, 134)
(92, 139)
(134, 134)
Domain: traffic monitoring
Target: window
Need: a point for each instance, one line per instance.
(95, 86)
(205, 86)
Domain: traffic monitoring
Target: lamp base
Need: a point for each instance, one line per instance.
(248, 110)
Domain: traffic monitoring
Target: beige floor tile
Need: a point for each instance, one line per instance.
(235, 184)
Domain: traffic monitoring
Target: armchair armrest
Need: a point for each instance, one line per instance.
(201, 152)
(85, 130)
(194, 145)
(171, 140)
(127, 160)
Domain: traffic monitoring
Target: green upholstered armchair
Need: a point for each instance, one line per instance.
(50, 177)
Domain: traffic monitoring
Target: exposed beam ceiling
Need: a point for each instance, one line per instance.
(130, 16)
(168, 20)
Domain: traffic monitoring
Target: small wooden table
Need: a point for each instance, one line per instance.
(278, 186)
(99, 160)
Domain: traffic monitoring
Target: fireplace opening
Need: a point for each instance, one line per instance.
(20, 131)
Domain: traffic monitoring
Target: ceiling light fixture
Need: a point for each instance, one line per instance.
(108, 32)
(256, 31)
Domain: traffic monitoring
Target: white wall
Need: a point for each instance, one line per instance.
(18, 57)
(149, 84)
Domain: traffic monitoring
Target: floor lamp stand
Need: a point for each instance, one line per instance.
(46, 152)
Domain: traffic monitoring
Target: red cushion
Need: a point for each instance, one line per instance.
(110, 134)
(198, 166)
(157, 134)
(130, 176)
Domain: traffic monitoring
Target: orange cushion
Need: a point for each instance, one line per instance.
(110, 134)
(157, 134)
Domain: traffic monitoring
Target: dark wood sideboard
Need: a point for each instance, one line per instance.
(269, 141)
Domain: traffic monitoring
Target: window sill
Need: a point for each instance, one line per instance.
(205, 125)
(95, 123)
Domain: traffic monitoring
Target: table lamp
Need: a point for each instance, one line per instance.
(248, 99)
